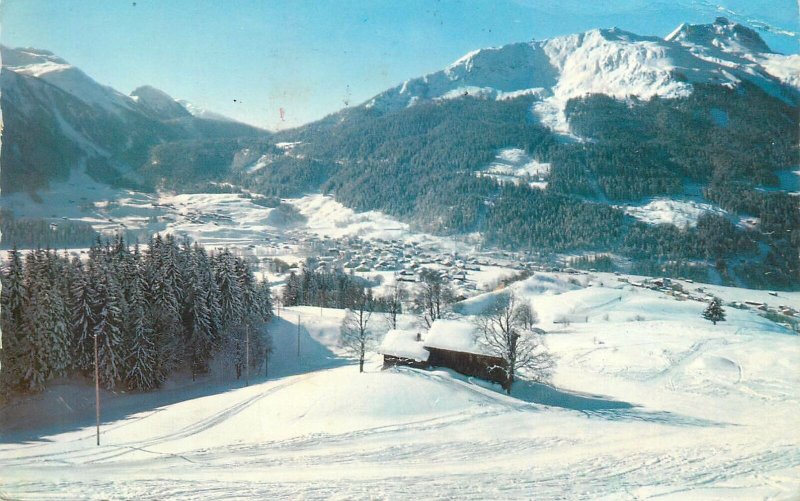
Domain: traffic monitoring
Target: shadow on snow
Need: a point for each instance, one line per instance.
(68, 404)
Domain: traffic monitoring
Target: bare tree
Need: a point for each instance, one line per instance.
(394, 304)
(355, 336)
(432, 297)
(508, 332)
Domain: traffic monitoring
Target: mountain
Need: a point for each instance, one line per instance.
(56, 118)
(609, 122)
(612, 62)
(159, 104)
(723, 34)
(610, 132)
(202, 112)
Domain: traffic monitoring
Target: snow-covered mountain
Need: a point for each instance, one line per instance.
(57, 118)
(49, 68)
(613, 62)
(158, 103)
(199, 112)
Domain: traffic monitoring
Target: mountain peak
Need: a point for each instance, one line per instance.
(158, 103)
(27, 56)
(722, 34)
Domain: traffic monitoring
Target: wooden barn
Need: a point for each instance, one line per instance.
(403, 347)
(455, 344)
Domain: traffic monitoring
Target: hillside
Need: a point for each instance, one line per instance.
(706, 117)
(58, 119)
(646, 392)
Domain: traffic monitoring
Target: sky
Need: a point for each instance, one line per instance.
(251, 59)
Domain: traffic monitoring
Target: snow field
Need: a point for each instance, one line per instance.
(680, 213)
(689, 410)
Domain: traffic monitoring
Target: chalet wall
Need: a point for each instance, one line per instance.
(391, 361)
(469, 364)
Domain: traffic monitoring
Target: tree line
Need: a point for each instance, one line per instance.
(328, 288)
(170, 306)
(31, 232)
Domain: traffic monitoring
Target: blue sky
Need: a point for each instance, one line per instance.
(313, 57)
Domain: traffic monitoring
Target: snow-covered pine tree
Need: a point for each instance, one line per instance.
(162, 298)
(108, 313)
(230, 290)
(34, 347)
(714, 311)
(56, 329)
(142, 373)
(83, 315)
(173, 267)
(263, 300)
(14, 289)
(247, 284)
(12, 310)
(35, 343)
(201, 315)
(291, 292)
(232, 337)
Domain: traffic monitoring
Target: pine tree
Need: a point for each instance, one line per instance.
(291, 293)
(83, 316)
(56, 328)
(34, 345)
(230, 290)
(202, 314)
(263, 301)
(714, 312)
(43, 354)
(162, 296)
(12, 305)
(108, 313)
(246, 283)
(141, 351)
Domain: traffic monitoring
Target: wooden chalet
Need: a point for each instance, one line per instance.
(453, 344)
(403, 347)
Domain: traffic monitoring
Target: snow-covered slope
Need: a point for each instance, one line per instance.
(46, 66)
(651, 402)
(723, 34)
(605, 61)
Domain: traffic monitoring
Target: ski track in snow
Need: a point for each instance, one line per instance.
(270, 440)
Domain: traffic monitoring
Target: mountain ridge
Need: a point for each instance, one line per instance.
(57, 119)
(628, 64)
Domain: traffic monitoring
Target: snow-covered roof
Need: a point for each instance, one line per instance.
(455, 335)
(404, 344)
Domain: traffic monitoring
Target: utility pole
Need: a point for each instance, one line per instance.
(247, 356)
(97, 388)
(298, 337)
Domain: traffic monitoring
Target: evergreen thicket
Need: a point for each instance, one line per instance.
(31, 232)
(330, 289)
(170, 307)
